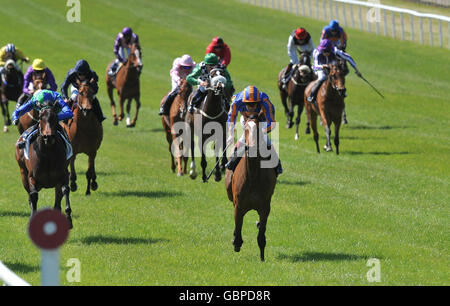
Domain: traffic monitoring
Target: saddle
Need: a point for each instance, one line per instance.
(32, 136)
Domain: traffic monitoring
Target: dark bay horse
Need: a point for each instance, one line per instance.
(177, 114)
(46, 165)
(302, 75)
(10, 89)
(251, 186)
(31, 118)
(209, 123)
(127, 84)
(86, 134)
(329, 106)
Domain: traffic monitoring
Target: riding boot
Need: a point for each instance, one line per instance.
(165, 107)
(235, 157)
(287, 75)
(312, 96)
(113, 69)
(278, 168)
(25, 135)
(195, 101)
(22, 99)
(96, 108)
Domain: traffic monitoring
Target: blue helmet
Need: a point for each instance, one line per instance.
(334, 25)
(10, 48)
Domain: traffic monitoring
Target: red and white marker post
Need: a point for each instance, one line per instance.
(48, 230)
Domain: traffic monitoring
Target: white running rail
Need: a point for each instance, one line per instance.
(370, 16)
(9, 278)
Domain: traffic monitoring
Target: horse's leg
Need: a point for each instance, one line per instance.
(297, 120)
(204, 164)
(308, 123)
(5, 114)
(291, 112)
(327, 123)
(138, 106)
(32, 196)
(337, 125)
(313, 116)
(128, 110)
(218, 172)
(113, 104)
(283, 96)
(121, 101)
(344, 115)
(238, 220)
(185, 159)
(192, 172)
(73, 174)
(263, 215)
(66, 191)
(58, 197)
(169, 140)
(90, 174)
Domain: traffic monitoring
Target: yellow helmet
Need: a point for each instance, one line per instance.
(38, 64)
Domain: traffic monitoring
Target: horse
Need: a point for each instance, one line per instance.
(177, 114)
(127, 84)
(46, 163)
(11, 88)
(86, 134)
(330, 105)
(213, 109)
(344, 70)
(31, 118)
(251, 186)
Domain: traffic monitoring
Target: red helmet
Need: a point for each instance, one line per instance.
(301, 33)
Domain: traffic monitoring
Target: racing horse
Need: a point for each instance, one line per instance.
(31, 118)
(11, 89)
(86, 134)
(330, 105)
(177, 114)
(213, 109)
(252, 185)
(127, 84)
(302, 75)
(43, 163)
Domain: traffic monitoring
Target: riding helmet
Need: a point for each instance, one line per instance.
(251, 95)
(211, 59)
(38, 64)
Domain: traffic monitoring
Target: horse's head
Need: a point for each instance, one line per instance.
(337, 79)
(251, 130)
(217, 80)
(48, 121)
(305, 58)
(10, 66)
(85, 96)
(185, 89)
(302, 74)
(134, 59)
(39, 81)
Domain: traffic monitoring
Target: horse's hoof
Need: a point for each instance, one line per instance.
(327, 149)
(218, 178)
(5, 129)
(179, 174)
(88, 193)
(94, 186)
(237, 249)
(345, 121)
(69, 220)
(73, 187)
(308, 130)
(131, 125)
(115, 122)
(193, 175)
(296, 137)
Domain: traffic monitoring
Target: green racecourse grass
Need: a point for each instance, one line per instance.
(386, 196)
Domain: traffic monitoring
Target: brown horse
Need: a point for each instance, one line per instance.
(209, 124)
(46, 164)
(177, 114)
(127, 84)
(251, 186)
(10, 89)
(329, 106)
(31, 118)
(301, 76)
(86, 134)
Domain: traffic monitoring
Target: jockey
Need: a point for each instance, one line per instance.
(221, 49)
(250, 101)
(325, 54)
(181, 68)
(123, 42)
(299, 41)
(200, 77)
(37, 68)
(11, 52)
(45, 98)
(335, 34)
(81, 72)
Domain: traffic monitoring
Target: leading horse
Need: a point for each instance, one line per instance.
(329, 106)
(213, 109)
(10, 89)
(86, 134)
(44, 164)
(127, 84)
(251, 186)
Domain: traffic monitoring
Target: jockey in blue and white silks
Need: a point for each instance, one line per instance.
(250, 101)
(44, 98)
(326, 53)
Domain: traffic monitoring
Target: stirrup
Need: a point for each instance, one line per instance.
(21, 144)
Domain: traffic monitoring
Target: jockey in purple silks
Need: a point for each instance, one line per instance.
(327, 53)
(122, 44)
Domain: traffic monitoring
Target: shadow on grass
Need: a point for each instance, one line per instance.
(376, 153)
(120, 240)
(143, 194)
(15, 214)
(21, 267)
(297, 183)
(381, 127)
(319, 256)
(111, 173)
(157, 130)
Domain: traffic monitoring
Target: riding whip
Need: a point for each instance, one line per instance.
(371, 86)
(220, 159)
